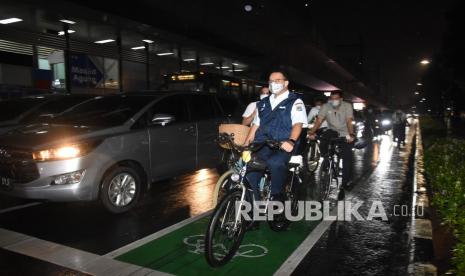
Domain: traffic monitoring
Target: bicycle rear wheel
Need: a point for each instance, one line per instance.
(280, 222)
(224, 235)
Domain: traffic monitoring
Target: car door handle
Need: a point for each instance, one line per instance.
(189, 129)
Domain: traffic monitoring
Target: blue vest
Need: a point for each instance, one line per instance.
(275, 124)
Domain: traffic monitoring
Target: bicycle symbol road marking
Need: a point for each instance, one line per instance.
(196, 245)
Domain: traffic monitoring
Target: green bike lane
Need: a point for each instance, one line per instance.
(181, 252)
(180, 249)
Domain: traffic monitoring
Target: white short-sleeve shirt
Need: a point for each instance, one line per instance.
(249, 109)
(298, 113)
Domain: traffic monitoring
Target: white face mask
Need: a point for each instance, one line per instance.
(262, 96)
(276, 87)
(335, 103)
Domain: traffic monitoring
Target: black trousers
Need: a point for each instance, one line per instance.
(347, 159)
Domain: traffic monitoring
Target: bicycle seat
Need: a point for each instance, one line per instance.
(295, 161)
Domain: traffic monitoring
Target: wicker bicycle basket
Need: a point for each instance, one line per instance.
(238, 131)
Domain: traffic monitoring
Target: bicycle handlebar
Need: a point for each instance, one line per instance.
(225, 138)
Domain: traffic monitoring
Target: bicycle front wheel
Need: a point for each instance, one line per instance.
(279, 222)
(222, 187)
(325, 180)
(224, 233)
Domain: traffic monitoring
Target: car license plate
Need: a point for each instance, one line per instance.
(5, 183)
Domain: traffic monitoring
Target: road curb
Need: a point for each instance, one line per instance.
(421, 234)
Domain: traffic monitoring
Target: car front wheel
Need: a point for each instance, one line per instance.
(120, 189)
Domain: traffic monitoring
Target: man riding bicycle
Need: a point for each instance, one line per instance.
(280, 117)
(339, 115)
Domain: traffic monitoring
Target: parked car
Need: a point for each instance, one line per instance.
(34, 109)
(111, 148)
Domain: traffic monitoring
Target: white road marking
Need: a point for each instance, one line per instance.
(69, 257)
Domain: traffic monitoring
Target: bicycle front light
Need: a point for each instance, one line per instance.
(235, 177)
(386, 122)
(246, 156)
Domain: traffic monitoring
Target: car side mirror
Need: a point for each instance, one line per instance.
(163, 119)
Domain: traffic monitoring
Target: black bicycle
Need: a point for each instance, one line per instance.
(312, 155)
(227, 227)
(330, 169)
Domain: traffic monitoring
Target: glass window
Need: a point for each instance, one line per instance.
(202, 107)
(172, 105)
(104, 111)
(111, 73)
(43, 64)
(11, 109)
(53, 107)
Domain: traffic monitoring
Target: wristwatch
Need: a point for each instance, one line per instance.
(292, 141)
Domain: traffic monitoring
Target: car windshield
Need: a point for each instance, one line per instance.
(103, 111)
(48, 110)
(11, 109)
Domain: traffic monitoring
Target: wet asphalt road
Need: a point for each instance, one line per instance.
(380, 171)
(370, 247)
(88, 227)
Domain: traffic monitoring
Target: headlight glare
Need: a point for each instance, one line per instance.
(59, 153)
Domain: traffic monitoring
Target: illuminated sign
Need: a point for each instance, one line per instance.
(359, 106)
(183, 77)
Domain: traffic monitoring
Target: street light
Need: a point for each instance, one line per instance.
(419, 83)
(425, 62)
(417, 93)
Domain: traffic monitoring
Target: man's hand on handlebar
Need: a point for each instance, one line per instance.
(248, 141)
(350, 138)
(311, 136)
(287, 146)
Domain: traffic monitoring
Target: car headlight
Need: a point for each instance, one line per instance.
(63, 152)
(386, 122)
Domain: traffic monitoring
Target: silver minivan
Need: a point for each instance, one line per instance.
(111, 148)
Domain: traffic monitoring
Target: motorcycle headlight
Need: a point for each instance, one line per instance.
(63, 152)
(386, 122)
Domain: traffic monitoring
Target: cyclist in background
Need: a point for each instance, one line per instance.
(251, 109)
(314, 112)
(339, 115)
